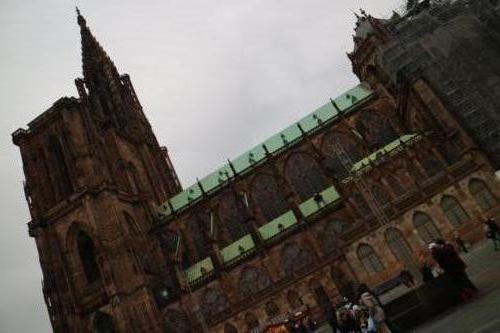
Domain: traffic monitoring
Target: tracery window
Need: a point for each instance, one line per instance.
(232, 216)
(305, 176)
(253, 280)
(361, 204)
(333, 162)
(103, 323)
(295, 258)
(482, 194)
(370, 259)
(86, 251)
(426, 228)
(214, 302)
(330, 234)
(454, 212)
(375, 129)
(198, 239)
(268, 196)
(177, 321)
(272, 309)
(398, 244)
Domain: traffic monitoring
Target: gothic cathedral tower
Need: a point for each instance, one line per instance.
(94, 175)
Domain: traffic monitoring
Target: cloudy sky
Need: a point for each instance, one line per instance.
(215, 77)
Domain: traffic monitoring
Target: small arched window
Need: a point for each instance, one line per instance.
(268, 197)
(272, 309)
(370, 259)
(426, 228)
(103, 323)
(253, 280)
(251, 321)
(87, 255)
(482, 194)
(305, 176)
(454, 212)
(296, 258)
(398, 244)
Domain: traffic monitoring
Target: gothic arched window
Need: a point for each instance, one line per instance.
(370, 259)
(454, 212)
(87, 257)
(214, 302)
(305, 176)
(482, 194)
(333, 161)
(103, 323)
(294, 299)
(330, 233)
(295, 258)
(426, 228)
(375, 129)
(272, 309)
(395, 185)
(268, 197)
(61, 171)
(398, 244)
(253, 280)
(232, 217)
(229, 328)
(251, 321)
(177, 321)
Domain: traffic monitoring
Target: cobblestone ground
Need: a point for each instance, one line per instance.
(479, 316)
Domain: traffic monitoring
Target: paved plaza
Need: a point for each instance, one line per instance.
(479, 316)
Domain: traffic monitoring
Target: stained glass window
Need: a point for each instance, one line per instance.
(376, 130)
(482, 194)
(295, 258)
(454, 212)
(370, 259)
(232, 216)
(398, 244)
(214, 302)
(333, 162)
(305, 176)
(426, 228)
(268, 196)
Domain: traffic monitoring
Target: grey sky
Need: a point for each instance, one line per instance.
(214, 78)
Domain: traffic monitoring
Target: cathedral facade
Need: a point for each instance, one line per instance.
(352, 193)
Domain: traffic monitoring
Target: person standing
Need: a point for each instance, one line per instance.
(492, 232)
(460, 243)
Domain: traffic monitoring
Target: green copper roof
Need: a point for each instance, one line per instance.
(278, 225)
(313, 205)
(391, 148)
(236, 249)
(346, 102)
(195, 272)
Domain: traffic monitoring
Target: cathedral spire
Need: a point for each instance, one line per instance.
(99, 72)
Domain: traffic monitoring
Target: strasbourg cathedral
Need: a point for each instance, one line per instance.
(350, 194)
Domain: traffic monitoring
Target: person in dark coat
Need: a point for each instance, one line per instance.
(492, 232)
(460, 243)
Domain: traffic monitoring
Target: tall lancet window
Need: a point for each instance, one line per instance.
(86, 251)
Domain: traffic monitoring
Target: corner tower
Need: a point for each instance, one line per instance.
(95, 174)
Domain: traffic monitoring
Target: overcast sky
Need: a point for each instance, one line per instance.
(214, 77)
